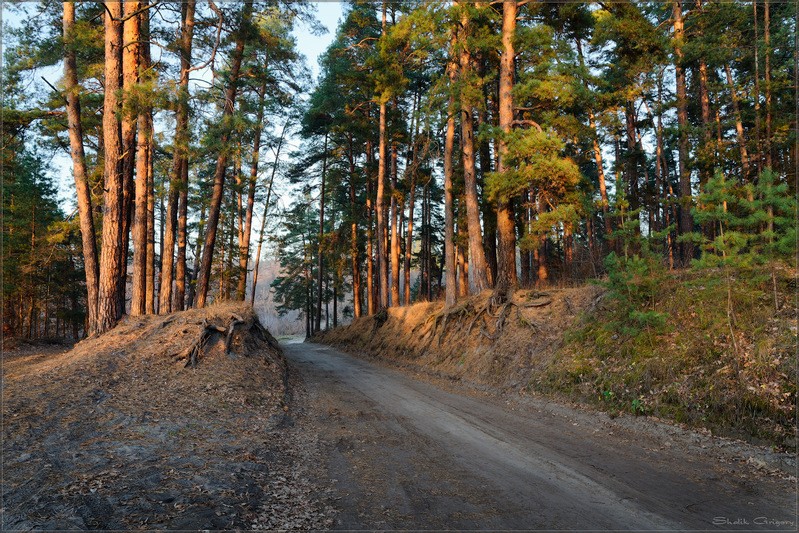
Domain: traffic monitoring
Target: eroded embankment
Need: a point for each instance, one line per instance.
(120, 433)
(477, 340)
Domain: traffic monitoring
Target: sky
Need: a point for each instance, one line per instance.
(311, 46)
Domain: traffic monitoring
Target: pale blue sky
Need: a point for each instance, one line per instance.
(311, 46)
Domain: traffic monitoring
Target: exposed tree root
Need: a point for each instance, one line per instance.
(193, 353)
(490, 318)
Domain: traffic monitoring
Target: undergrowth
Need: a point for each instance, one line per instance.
(703, 347)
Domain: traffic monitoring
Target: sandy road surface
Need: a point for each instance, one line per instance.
(405, 454)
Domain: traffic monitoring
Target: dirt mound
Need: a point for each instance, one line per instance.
(479, 339)
(120, 433)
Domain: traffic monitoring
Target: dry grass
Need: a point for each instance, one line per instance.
(117, 433)
(476, 340)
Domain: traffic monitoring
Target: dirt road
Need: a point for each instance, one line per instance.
(406, 454)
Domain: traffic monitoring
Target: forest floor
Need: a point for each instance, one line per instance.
(117, 433)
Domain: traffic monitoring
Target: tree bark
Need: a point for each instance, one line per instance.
(395, 238)
(144, 145)
(109, 309)
(179, 169)
(739, 128)
(382, 253)
(320, 245)
(131, 29)
(203, 280)
(463, 251)
(506, 228)
(758, 148)
(82, 190)
(767, 74)
(370, 279)
(686, 222)
(149, 302)
(186, 37)
(355, 261)
(477, 260)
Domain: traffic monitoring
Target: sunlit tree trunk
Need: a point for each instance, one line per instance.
(395, 238)
(477, 260)
(506, 228)
(380, 209)
(450, 264)
(109, 308)
(138, 305)
(204, 277)
(186, 38)
(83, 193)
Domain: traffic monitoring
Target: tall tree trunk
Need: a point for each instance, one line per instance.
(395, 238)
(131, 56)
(463, 250)
(198, 248)
(739, 128)
(758, 147)
(144, 145)
(488, 209)
(179, 162)
(149, 302)
(506, 228)
(82, 190)
(767, 74)
(186, 38)
(705, 158)
(266, 211)
(450, 265)
(600, 167)
(382, 253)
(244, 244)
(686, 222)
(168, 246)
(477, 260)
(525, 255)
(221, 161)
(320, 250)
(370, 265)
(108, 305)
(661, 173)
(631, 161)
(355, 261)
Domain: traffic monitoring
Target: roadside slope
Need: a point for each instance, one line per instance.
(477, 340)
(585, 344)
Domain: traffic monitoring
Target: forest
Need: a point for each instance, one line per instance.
(446, 148)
